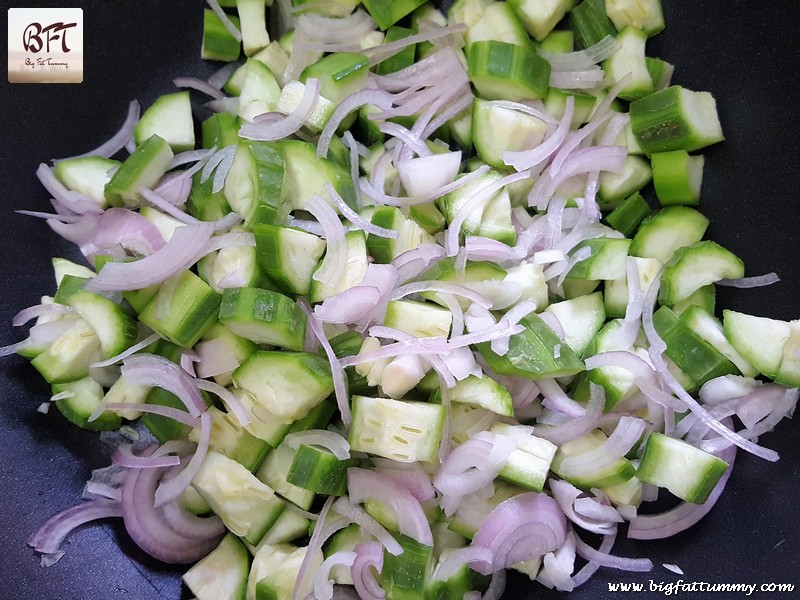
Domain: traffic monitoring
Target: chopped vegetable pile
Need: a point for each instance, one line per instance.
(408, 314)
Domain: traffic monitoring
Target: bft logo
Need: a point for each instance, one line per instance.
(32, 36)
(45, 45)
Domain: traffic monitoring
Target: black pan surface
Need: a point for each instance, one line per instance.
(743, 51)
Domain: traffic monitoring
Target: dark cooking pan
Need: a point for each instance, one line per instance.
(744, 52)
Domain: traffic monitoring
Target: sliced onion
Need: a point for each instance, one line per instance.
(226, 22)
(566, 495)
(279, 130)
(627, 433)
(75, 201)
(461, 361)
(527, 109)
(148, 528)
(575, 139)
(759, 403)
(125, 457)
(783, 408)
(214, 160)
(39, 310)
(558, 565)
(175, 188)
(369, 557)
(221, 75)
(584, 160)
(150, 339)
(335, 29)
(126, 228)
(582, 59)
(307, 225)
(323, 587)
(190, 525)
(360, 301)
(428, 71)
(446, 382)
(421, 346)
(373, 192)
(384, 51)
(171, 489)
(322, 438)
(644, 376)
(411, 140)
(94, 490)
(379, 98)
(45, 215)
(356, 219)
(200, 85)
(332, 269)
(523, 393)
(478, 318)
(214, 358)
(118, 140)
(369, 485)
(591, 568)
(187, 360)
(163, 205)
(555, 221)
(356, 514)
(184, 249)
(532, 234)
(657, 346)
(472, 465)
(527, 159)
(190, 156)
(449, 565)
(230, 240)
(356, 149)
(337, 370)
(497, 586)
(750, 282)
(478, 200)
(440, 287)
(445, 108)
(625, 336)
(300, 58)
(175, 414)
(499, 331)
(520, 528)
(230, 399)
(561, 434)
(486, 249)
(414, 262)
(557, 400)
(314, 547)
(410, 475)
(62, 395)
(512, 317)
(641, 565)
(577, 80)
(152, 370)
(78, 232)
(597, 507)
(604, 107)
(49, 536)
